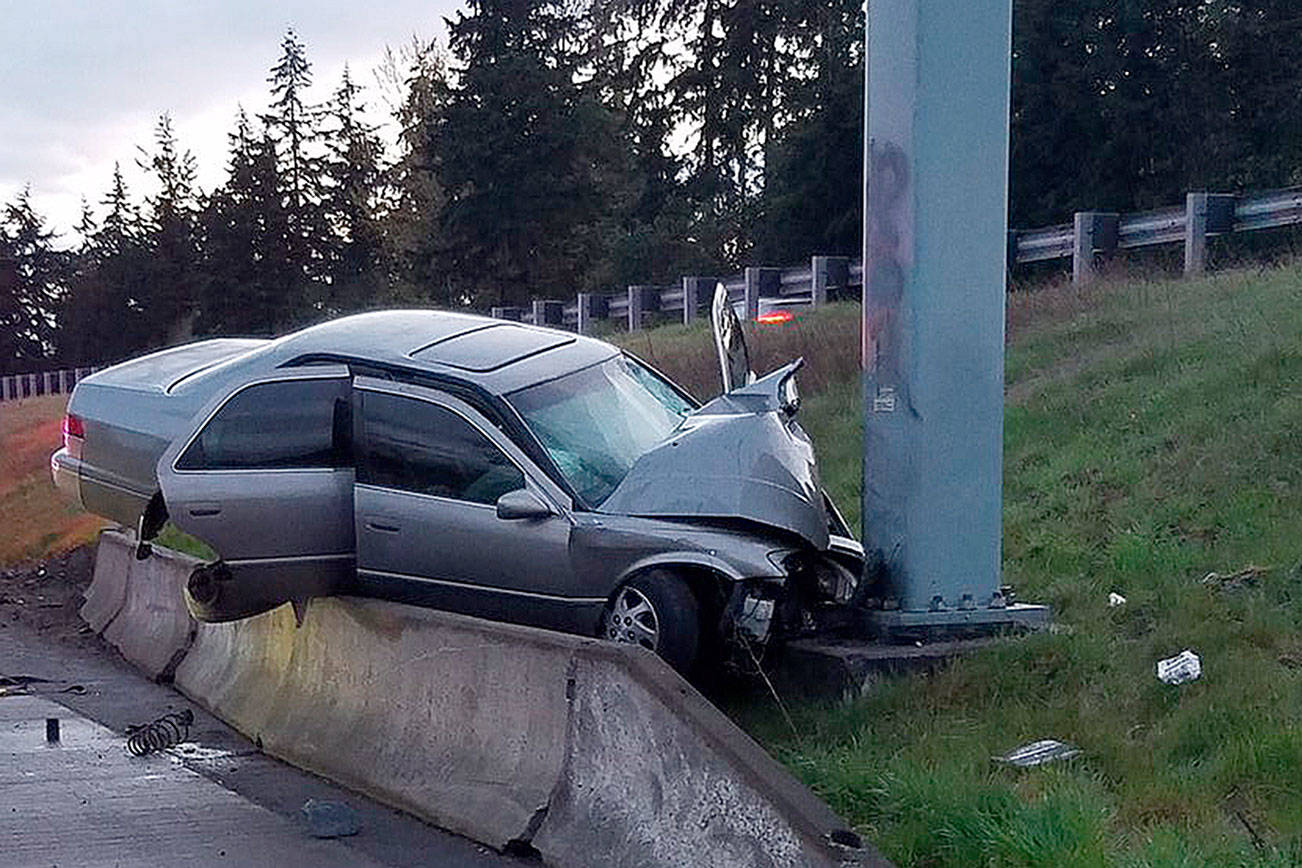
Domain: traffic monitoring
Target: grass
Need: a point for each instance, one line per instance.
(38, 522)
(1153, 435)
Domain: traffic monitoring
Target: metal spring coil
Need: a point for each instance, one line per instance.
(170, 729)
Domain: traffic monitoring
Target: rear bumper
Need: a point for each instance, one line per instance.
(66, 473)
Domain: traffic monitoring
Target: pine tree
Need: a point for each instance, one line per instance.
(351, 198)
(32, 286)
(293, 126)
(171, 234)
(414, 212)
(521, 153)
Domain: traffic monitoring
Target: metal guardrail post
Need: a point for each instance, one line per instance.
(1096, 232)
(48, 383)
(64, 386)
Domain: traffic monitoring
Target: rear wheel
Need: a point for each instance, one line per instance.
(657, 611)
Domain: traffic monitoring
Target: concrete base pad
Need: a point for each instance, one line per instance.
(843, 670)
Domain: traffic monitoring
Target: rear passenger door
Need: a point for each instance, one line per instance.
(265, 478)
(430, 470)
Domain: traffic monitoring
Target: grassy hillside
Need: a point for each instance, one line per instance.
(37, 520)
(1153, 447)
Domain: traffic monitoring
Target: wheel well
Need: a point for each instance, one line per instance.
(154, 517)
(708, 586)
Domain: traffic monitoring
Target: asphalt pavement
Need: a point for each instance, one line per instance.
(214, 799)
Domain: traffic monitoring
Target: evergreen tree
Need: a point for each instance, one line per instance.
(412, 222)
(351, 200)
(522, 152)
(251, 279)
(32, 281)
(171, 234)
(293, 126)
(104, 318)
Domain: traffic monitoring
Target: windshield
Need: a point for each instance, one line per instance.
(596, 423)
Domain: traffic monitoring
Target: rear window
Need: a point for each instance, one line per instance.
(287, 424)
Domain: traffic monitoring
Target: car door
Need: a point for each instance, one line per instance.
(265, 478)
(430, 471)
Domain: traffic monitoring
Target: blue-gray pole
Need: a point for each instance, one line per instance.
(935, 242)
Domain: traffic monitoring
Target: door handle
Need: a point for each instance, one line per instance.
(203, 510)
(382, 527)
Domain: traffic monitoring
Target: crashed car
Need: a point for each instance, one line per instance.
(487, 467)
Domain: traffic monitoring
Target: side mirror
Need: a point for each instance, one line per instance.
(521, 504)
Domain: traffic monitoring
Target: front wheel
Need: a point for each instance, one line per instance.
(657, 611)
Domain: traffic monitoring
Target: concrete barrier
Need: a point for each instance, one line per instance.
(590, 753)
(153, 630)
(108, 586)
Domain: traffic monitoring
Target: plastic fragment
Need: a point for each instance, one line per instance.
(1038, 753)
(1181, 668)
(1115, 599)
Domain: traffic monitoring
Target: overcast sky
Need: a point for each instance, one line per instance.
(83, 83)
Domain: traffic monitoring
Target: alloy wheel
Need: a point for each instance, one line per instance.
(632, 619)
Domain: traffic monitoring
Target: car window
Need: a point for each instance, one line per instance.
(417, 446)
(286, 424)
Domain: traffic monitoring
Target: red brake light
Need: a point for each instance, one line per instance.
(72, 427)
(774, 317)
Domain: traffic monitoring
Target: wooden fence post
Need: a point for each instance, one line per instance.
(548, 312)
(634, 308)
(1096, 232)
(826, 272)
(1205, 215)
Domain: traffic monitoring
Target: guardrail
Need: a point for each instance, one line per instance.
(1091, 236)
(15, 387)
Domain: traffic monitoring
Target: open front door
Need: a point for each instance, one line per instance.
(265, 478)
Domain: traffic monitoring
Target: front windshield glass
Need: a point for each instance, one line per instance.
(595, 423)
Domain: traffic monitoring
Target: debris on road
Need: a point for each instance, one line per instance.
(1038, 753)
(1181, 668)
(1115, 600)
(327, 819)
(169, 730)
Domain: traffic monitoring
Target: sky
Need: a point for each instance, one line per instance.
(82, 84)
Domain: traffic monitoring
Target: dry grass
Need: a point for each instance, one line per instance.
(38, 521)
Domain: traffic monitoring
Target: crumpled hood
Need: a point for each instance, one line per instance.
(739, 456)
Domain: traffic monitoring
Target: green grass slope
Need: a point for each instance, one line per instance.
(1153, 436)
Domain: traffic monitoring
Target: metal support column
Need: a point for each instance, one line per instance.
(937, 118)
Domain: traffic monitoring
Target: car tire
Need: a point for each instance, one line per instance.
(657, 602)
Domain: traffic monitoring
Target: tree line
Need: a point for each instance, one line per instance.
(558, 146)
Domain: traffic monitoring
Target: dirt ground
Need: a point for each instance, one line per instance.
(44, 596)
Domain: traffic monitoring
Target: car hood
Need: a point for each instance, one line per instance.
(739, 456)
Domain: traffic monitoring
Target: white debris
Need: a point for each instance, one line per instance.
(1181, 668)
(1115, 599)
(1038, 753)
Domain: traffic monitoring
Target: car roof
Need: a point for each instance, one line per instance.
(497, 355)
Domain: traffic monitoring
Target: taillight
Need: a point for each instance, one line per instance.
(74, 434)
